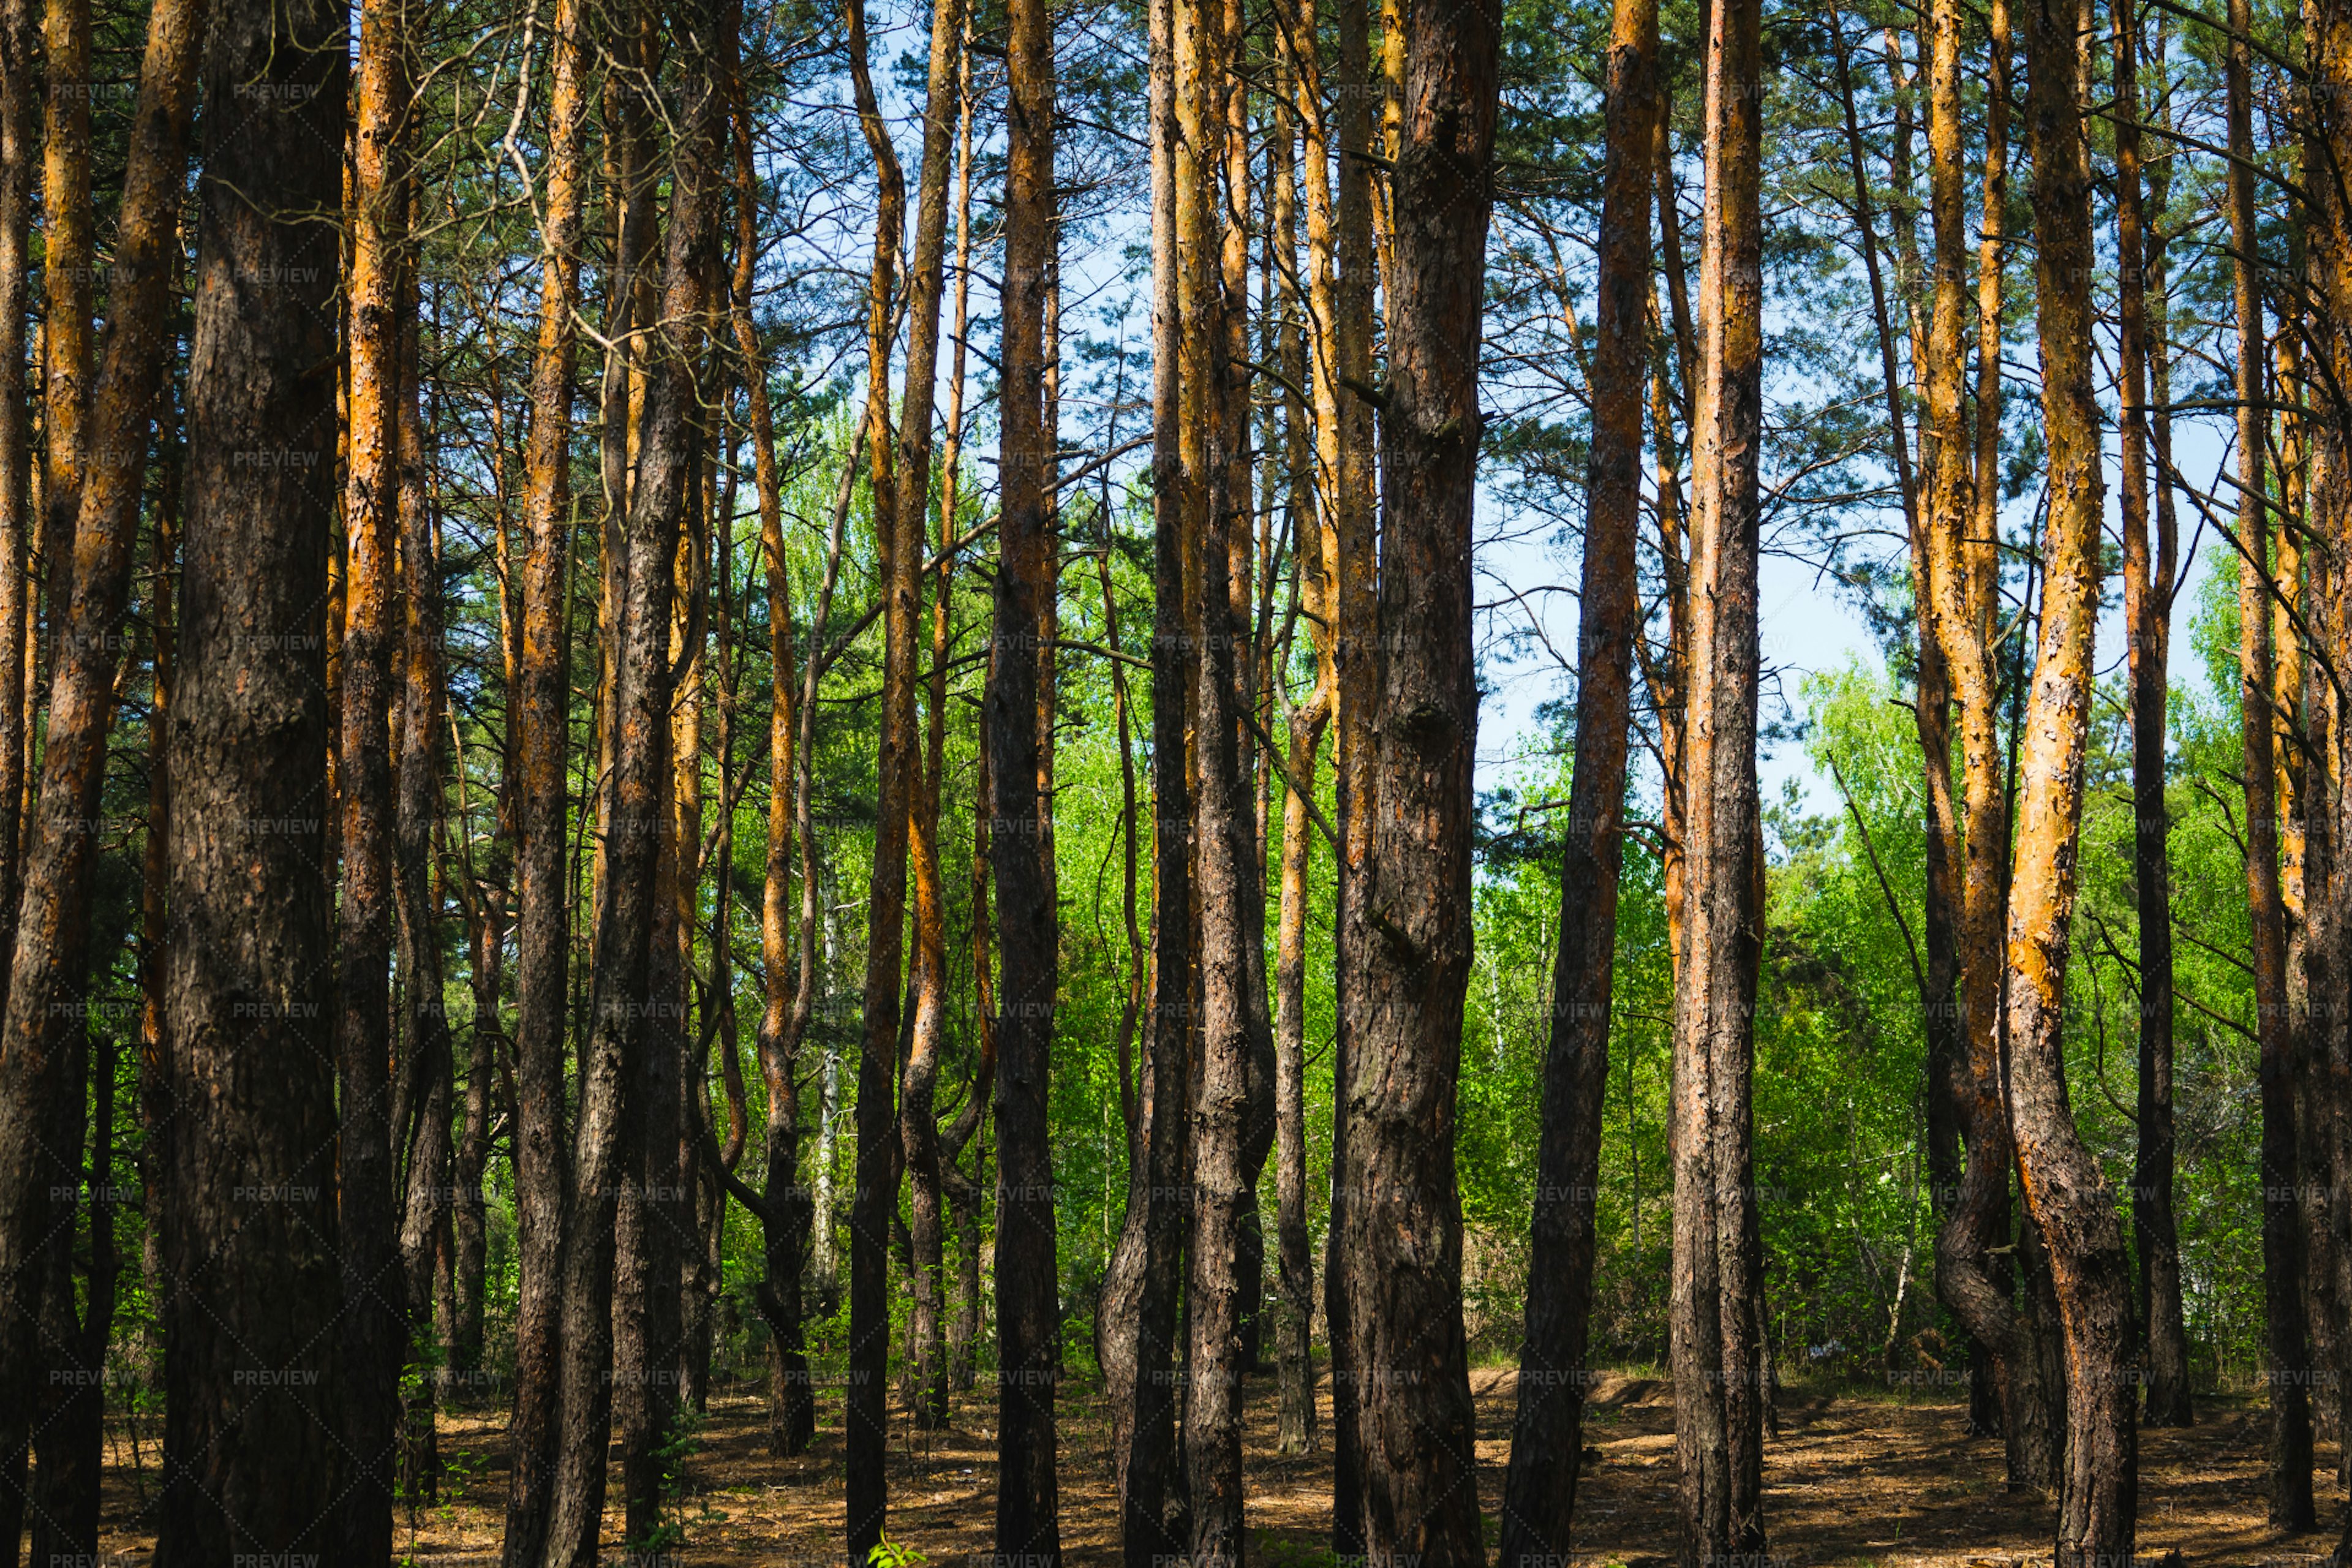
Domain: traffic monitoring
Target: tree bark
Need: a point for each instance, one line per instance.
(2067, 1196)
(19, 48)
(45, 1049)
(69, 281)
(918, 1129)
(374, 1329)
(1138, 1314)
(2147, 613)
(542, 889)
(622, 961)
(898, 568)
(1408, 967)
(2287, 1335)
(1028, 924)
(250, 1228)
(1547, 1436)
(1715, 1313)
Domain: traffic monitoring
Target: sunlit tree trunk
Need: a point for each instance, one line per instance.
(1974, 1278)
(2288, 1342)
(541, 724)
(246, 1470)
(1548, 1431)
(69, 284)
(1715, 1328)
(2089, 1273)
(374, 1329)
(19, 47)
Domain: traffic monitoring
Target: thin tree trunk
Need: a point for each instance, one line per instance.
(1715, 1311)
(543, 891)
(1547, 1435)
(255, 1282)
(1027, 1315)
(1357, 261)
(2147, 613)
(1137, 1313)
(1310, 514)
(44, 1050)
(622, 963)
(918, 1129)
(2287, 1344)
(1230, 898)
(898, 573)
(374, 1329)
(2090, 1272)
(784, 1209)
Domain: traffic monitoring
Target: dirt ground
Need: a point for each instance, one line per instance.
(1853, 1480)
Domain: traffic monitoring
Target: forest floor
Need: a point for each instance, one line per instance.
(1854, 1480)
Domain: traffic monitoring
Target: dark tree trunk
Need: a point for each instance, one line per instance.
(1408, 964)
(45, 1052)
(621, 964)
(898, 565)
(1137, 1316)
(250, 1229)
(1028, 925)
(1547, 1435)
(2148, 612)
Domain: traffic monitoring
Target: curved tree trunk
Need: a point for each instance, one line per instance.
(2090, 1272)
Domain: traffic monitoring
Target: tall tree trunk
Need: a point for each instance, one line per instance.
(1715, 1314)
(898, 572)
(1231, 897)
(1940, 549)
(783, 1209)
(374, 1329)
(1138, 1315)
(1308, 425)
(1407, 958)
(622, 963)
(2147, 613)
(1547, 1435)
(44, 1050)
(2288, 1340)
(542, 889)
(1357, 261)
(1971, 1275)
(424, 1024)
(2089, 1271)
(918, 1129)
(250, 1228)
(1028, 927)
